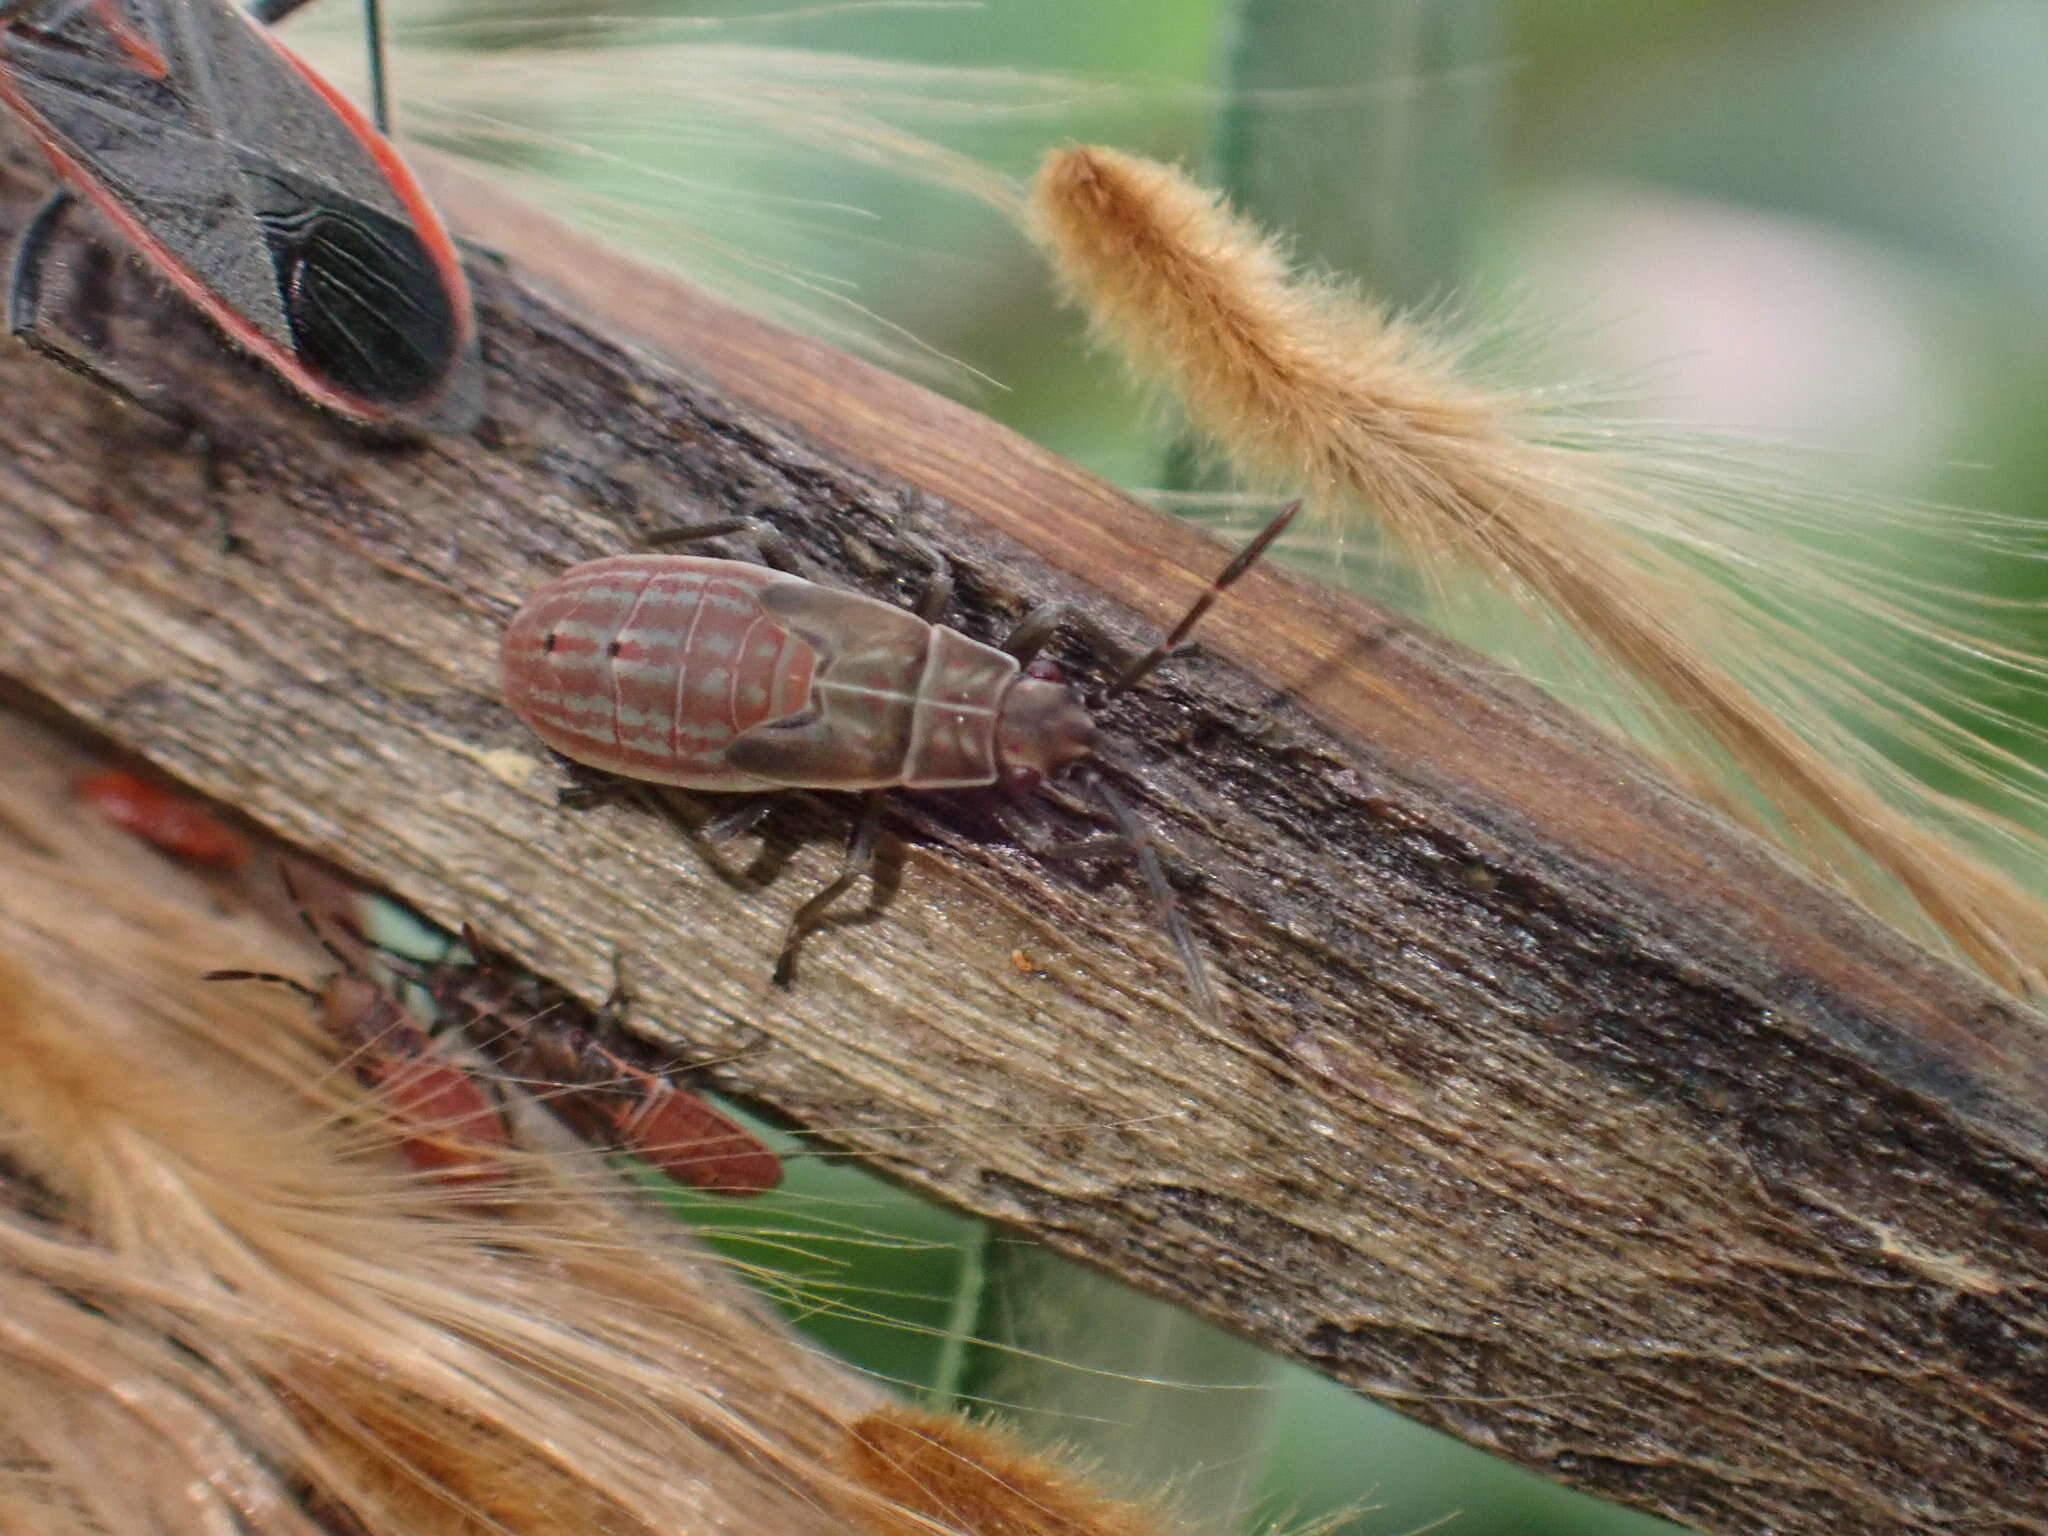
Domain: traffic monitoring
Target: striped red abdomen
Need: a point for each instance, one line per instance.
(649, 665)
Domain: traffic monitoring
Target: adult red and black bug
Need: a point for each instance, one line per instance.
(533, 1033)
(253, 187)
(727, 676)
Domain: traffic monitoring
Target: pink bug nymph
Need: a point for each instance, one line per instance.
(730, 677)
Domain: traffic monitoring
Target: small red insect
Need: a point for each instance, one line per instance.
(529, 1029)
(254, 188)
(175, 824)
(452, 1122)
(449, 1124)
(727, 676)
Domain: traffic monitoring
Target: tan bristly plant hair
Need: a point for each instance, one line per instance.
(226, 1304)
(632, 128)
(1304, 384)
(941, 1468)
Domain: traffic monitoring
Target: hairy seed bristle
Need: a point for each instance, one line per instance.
(938, 1472)
(1302, 384)
(227, 1304)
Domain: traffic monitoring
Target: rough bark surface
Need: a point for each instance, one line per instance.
(1549, 1106)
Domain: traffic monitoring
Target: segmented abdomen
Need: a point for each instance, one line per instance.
(648, 665)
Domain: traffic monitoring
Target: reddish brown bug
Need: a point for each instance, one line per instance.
(727, 676)
(529, 1030)
(449, 1123)
(173, 823)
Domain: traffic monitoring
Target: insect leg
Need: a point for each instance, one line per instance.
(1165, 904)
(776, 552)
(589, 786)
(1034, 629)
(1133, 841)
(271, 12)
(691, 533)
(24, 307)
(736, 820)
(24, 316)
(584, 794)
(296, 985)
(936, 596)
(1018, 820)
(860, 855)
(1103, 845)
(593, 787)
(373, 44)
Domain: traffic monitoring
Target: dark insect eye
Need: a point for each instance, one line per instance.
(548, 644)
(614, 648)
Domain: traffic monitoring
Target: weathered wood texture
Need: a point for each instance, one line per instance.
(1549, 1107)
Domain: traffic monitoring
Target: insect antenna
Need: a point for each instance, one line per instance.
(1247, 557)
(1137, 840)
(293, 982)
(298, 900)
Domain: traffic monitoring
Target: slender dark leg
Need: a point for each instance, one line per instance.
(776, 552)
(91, 362)
(292, 982)
(860, 855)
(936, 596)
(1028, 832)
(593, 787)
(1100, 845)
(1133, 841)
(25, 273)
(271, 12)
(737, 820)
(734, 821)
(587, 790)
(24, 313)
(1165, 904)
(1033, 630)
(373, 43)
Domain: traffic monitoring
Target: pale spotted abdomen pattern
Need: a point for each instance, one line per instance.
(650, 665)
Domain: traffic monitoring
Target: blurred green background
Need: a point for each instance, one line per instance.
(1820, 220)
